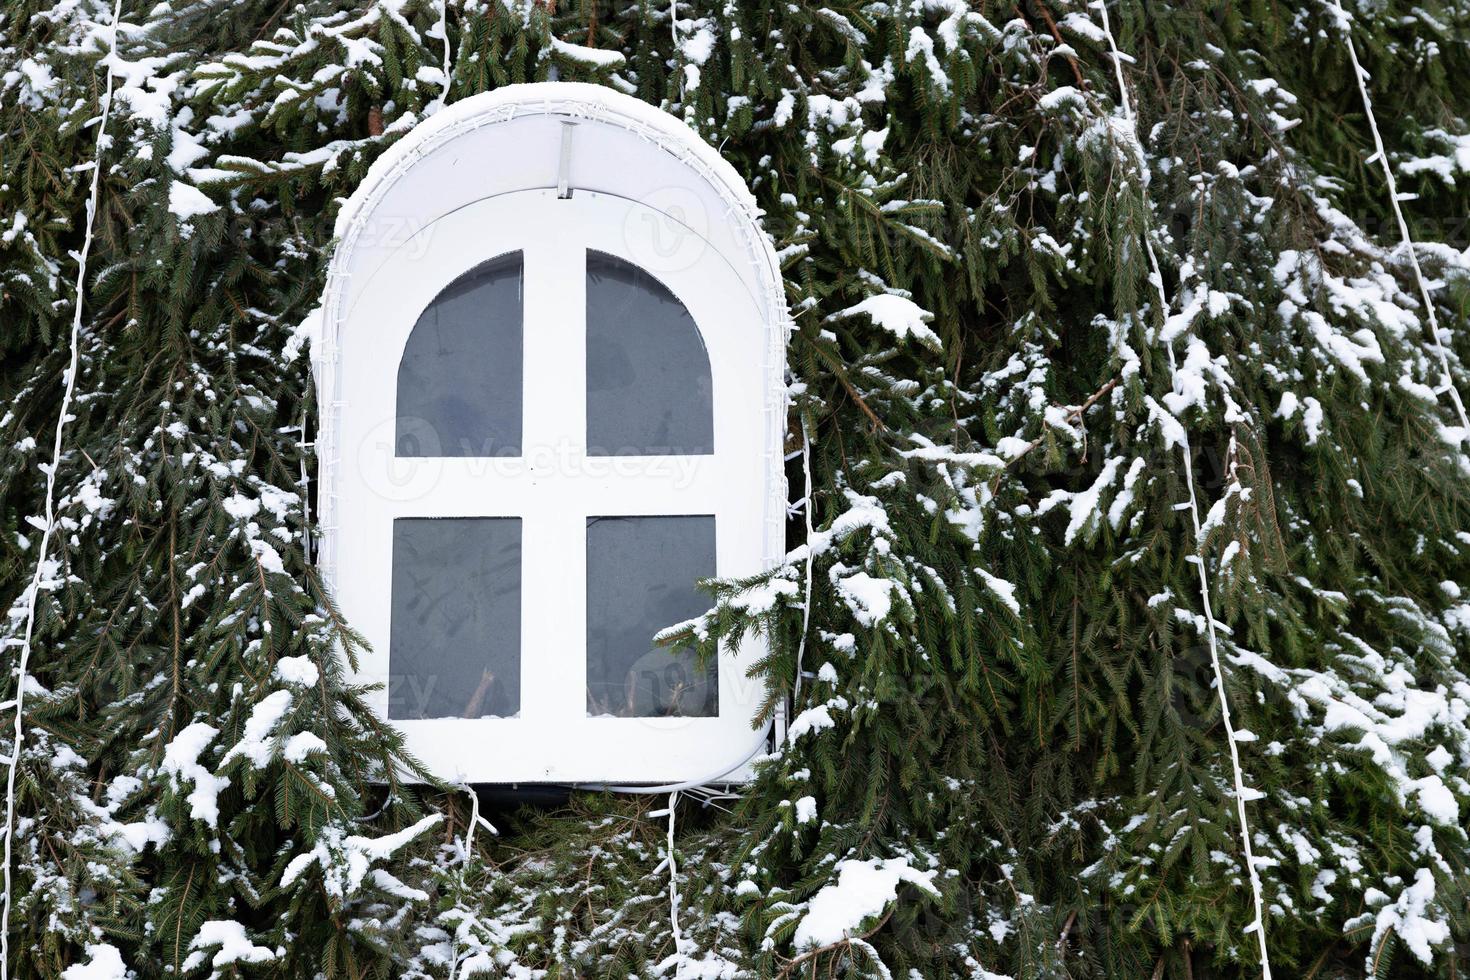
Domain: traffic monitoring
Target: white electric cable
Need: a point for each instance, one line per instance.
(35, 588)
(674, 33)
(469, 845)
(811, 533)
(695, 785)
(674, 880)
(305, 447)
(444, 31)
(1259, 925)
(1381, 155)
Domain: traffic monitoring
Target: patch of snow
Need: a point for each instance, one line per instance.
(300, 671)
(234, 945)
(1409, 916)
(241, 507)
(814, 719)
(186, 201)
(862, 891)
(345, 859)
(104, 962)
(181, 763)
(302, 744)
(1003, 590)
(596, 57)
(869, 598)
(899, 315)
(259, 727)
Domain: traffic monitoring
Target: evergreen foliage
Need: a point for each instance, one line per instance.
(1008, 713)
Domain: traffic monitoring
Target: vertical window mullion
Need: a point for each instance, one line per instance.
(555, 347)
(553, 670)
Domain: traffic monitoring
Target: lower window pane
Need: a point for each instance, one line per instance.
(641, 575)
(455, 642)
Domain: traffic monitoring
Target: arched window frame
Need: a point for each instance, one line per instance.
(571, 139)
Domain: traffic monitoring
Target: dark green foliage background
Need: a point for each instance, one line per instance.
(1060, 762)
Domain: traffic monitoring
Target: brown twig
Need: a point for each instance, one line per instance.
(1076, 413)
(840, 373)
(1066, 928)
(791, 966)
(1317, 966)
(1056, 35)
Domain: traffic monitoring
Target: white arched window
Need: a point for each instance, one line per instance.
(550, 377)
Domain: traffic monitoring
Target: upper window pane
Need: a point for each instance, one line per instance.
(459, 383)
(454, 648)
(641, 578)
(648, 380)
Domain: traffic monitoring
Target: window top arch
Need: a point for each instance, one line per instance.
(620, 146)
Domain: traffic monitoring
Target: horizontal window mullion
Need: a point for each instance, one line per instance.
(454, 508)
(455, 494)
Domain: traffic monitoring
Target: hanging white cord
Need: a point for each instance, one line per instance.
(806, 608)
(674, 33)
(444, 32)
(673, 883)
(1381, 155)
(696, 784)
(305, 447)
(35, 589)
(1259, 925)
(469, 846)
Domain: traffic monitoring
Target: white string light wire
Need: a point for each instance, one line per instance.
(35, 588)
(444, 35)
(700, 784)
(306, 448)
(690, 785)
(1381, 156)
(674, 33)
(811, 533)
(673, 879)
(1259, 925)
(469, 850)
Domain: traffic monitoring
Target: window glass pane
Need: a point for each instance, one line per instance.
(459, 383)
(641, 575)
(455, 644)
(648, 382)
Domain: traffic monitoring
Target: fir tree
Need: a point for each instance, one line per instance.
(1037, 314)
